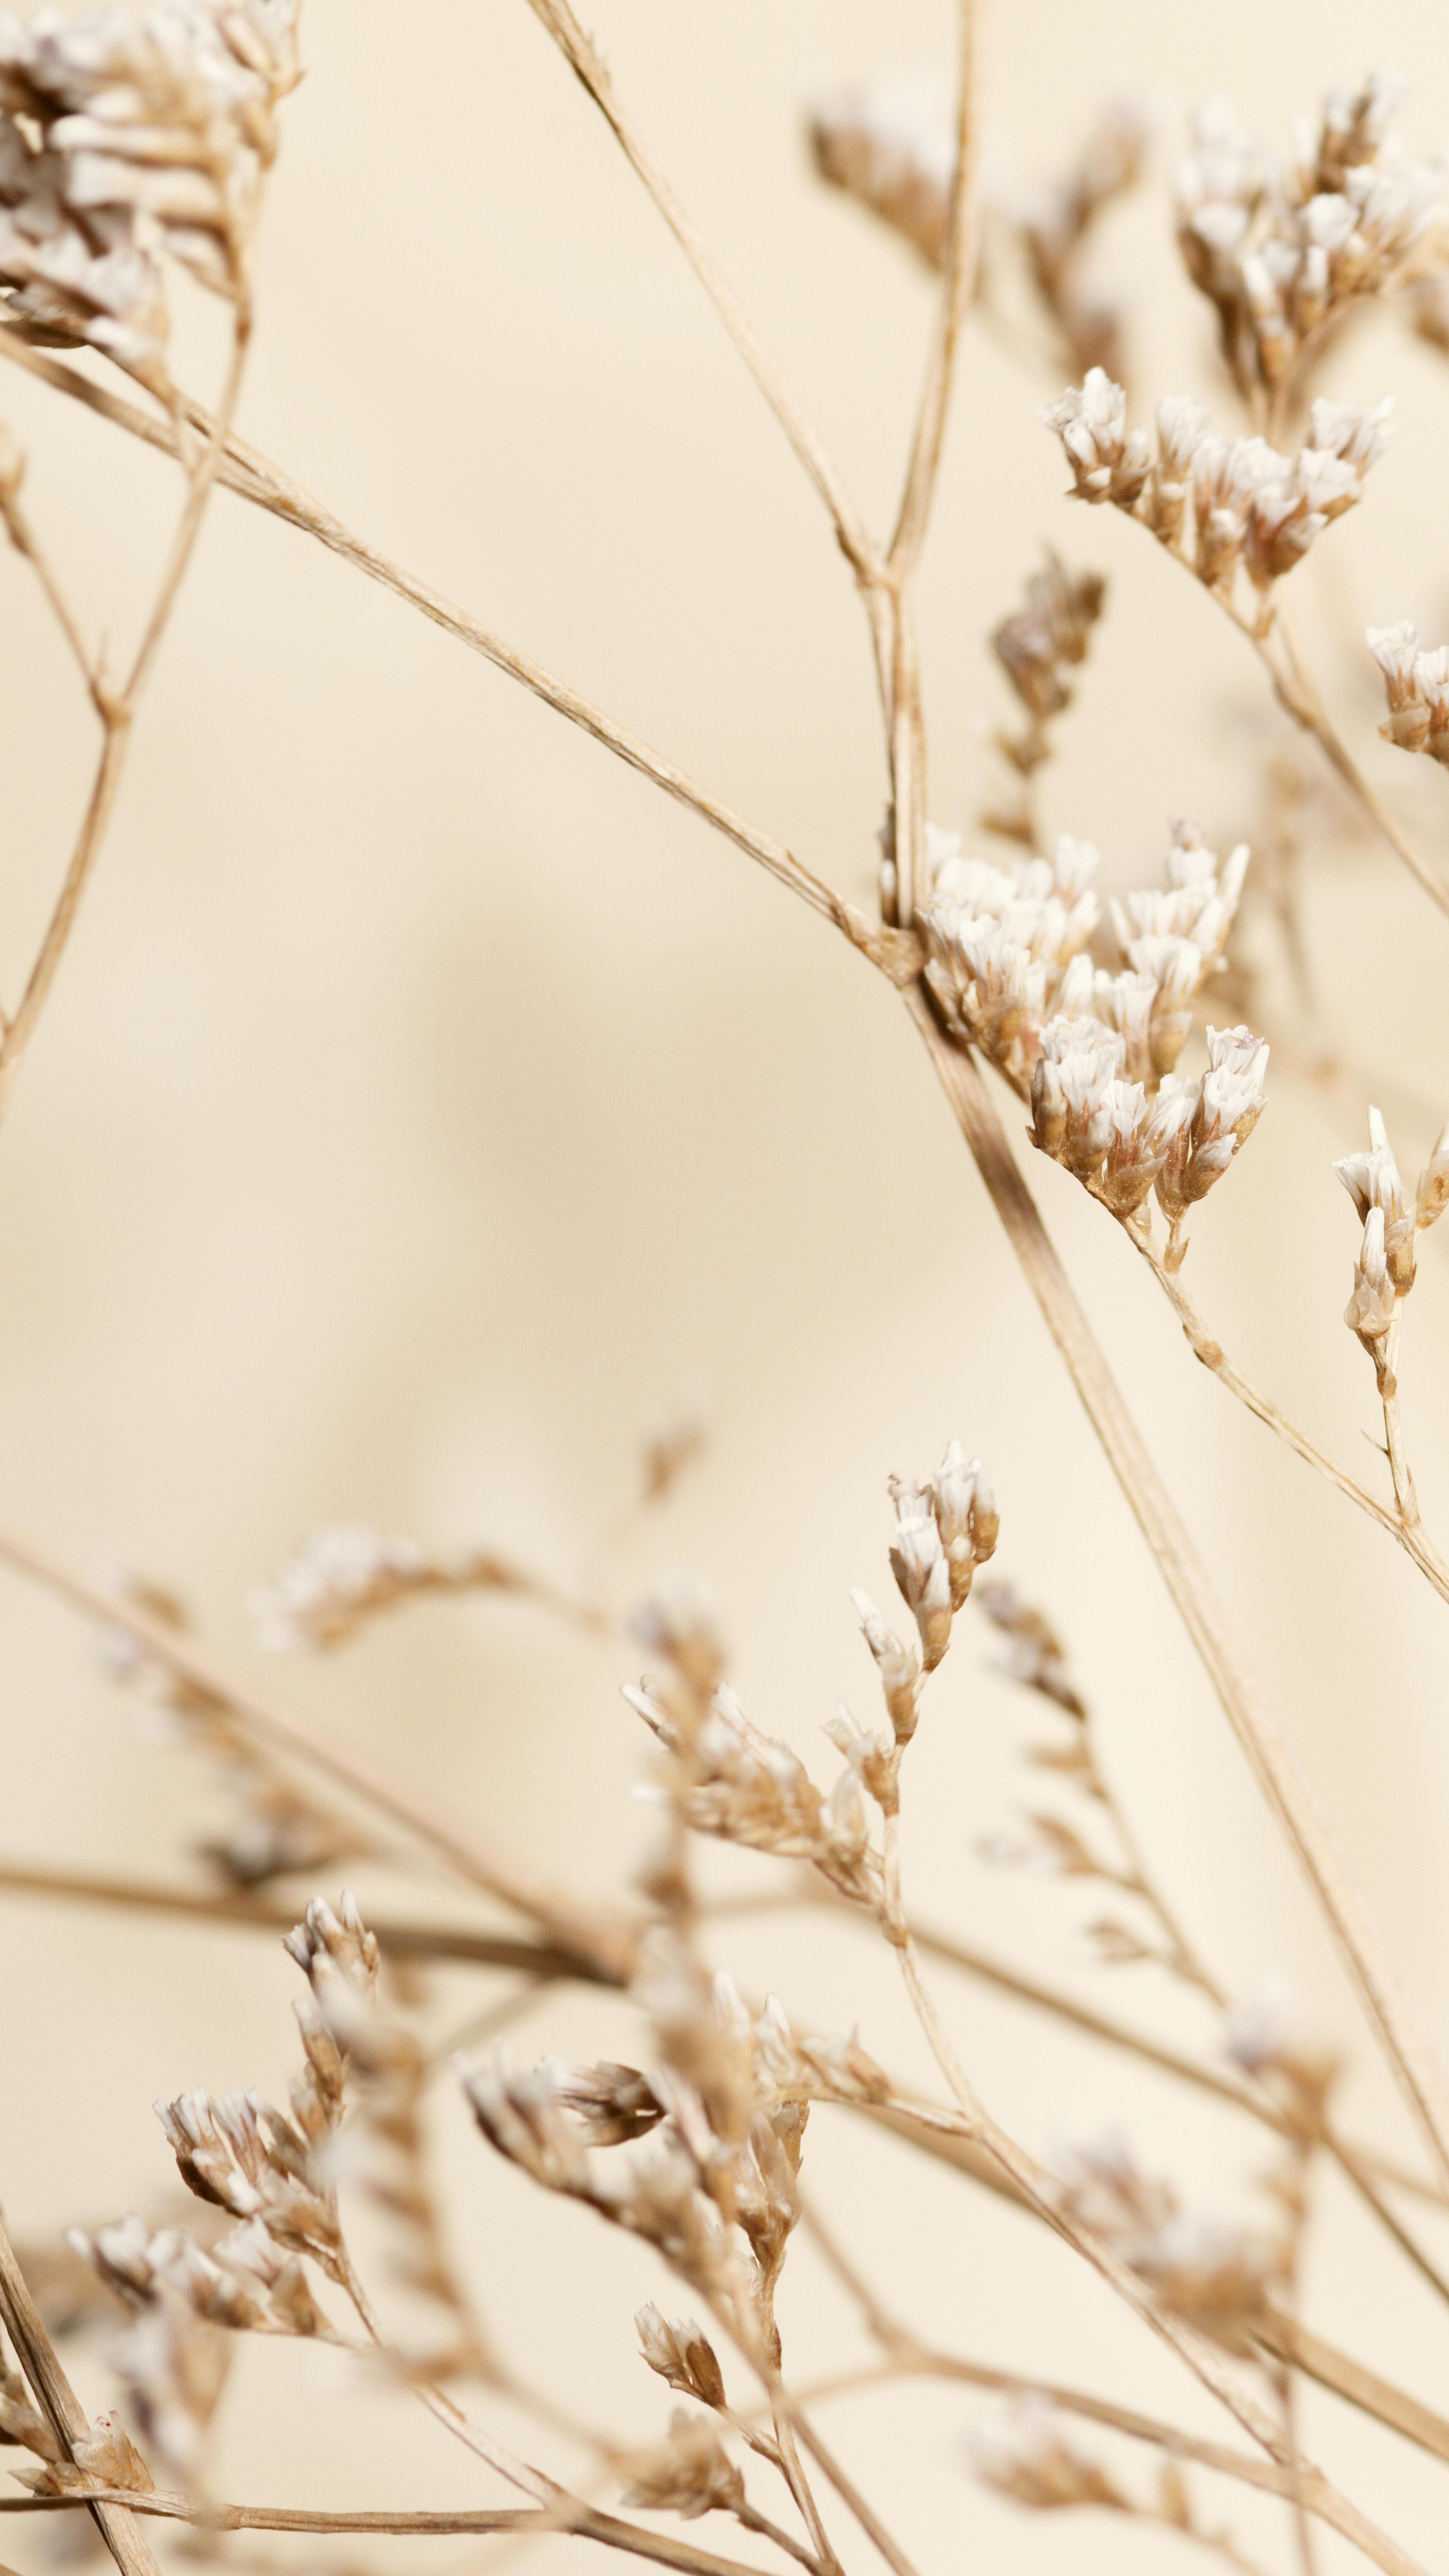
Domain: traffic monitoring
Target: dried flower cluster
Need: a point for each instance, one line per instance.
(1223, 505)
(343, 1578)
(274, 1826)
(1094, 1052)
(1283, 250)
(1056, 223)
(121, 140)
(268, 2167)
(891, 147)
(704, 2149)
(1026, 2452)
(1038, 646)
(1205, 2269)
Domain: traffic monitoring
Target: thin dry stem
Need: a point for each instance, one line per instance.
(244, 471)
(1403, 1522)
(1298, 696)
(582, 2521)
(1170, 2439)
(963, 251)
(585, 60)
(439, 1941)
(117, 710)
(1404, 1495)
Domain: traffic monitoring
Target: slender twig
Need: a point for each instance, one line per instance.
(1299, 698)
(1170, 2439)
(582, 2521)
(585, 60)
(441, 1941)
(1298, 695)
(546, 2490)
(1098, 2025)
(20, 529)
(244, 471)
(1405, 1497)
(1205, 1347)
(1403, 1523)
(541, 1963)
(117, 710)
(963, 250)
(898, 660)
(1365, 2170)
(1157, 1517)
(752, 2520)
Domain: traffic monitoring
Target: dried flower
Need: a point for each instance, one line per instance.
(892, 148)
(672, 1447)
(1219, 503)
(899, 1667)
(239, 2152)
(173, 2366)
(105, 2456)
(656, 2193)
(325, 1592)
(870, 1757)
(966, 1517)
(612, 2103)
(1431, 1195)
(1046, 1846)
(1108, 462)
(1211, 1123)
(1371, 1308)
(918, 1562)
(690, 2475)
(682, 2354)
(1263, 2038)
(1055, 224)
(1417, 686)
(1024, 2451)
(1372, 1181)
(523, 2115)
(1212, 2273)
(1091, 1050)
(1037, 647)
(748, 1788)
(1035, 1656)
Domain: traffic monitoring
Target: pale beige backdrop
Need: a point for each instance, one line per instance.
(426, 1103)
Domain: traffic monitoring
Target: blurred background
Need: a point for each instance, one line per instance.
(426, 1106)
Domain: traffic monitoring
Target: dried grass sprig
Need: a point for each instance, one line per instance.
(696, 2152)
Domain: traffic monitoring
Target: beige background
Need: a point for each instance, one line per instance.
(426, 1103)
